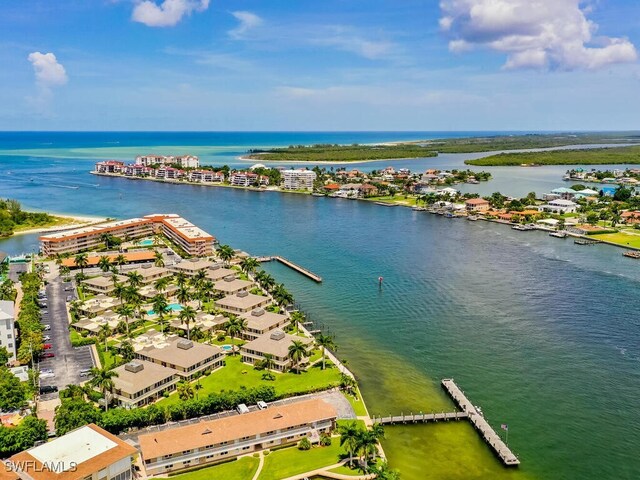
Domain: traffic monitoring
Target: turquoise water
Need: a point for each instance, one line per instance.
(172, 307)
(543, 334)
(147, 242)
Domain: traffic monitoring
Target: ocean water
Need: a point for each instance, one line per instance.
(543, 334)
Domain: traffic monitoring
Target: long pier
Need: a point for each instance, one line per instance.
(481, 425)
(419, 418)
(293, 266)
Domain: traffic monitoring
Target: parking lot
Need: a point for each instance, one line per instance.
(64, 366)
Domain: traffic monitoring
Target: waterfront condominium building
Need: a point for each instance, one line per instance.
(183, 233)
(109, 166)
(300, 179)
(87, 453)
(184, 161)
(7, 328)
(228, 437)
(139, 383)
(276, 344)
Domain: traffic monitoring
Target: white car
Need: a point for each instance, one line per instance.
(47, 375)
(47, 327)
(262, 405)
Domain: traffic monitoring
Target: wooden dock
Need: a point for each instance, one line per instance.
(294, 266)
(419, 418)
(585, 241)
(481, 425)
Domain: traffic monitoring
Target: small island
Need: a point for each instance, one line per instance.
(341, 153)
(595, 156)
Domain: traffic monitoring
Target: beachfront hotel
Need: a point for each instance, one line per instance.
(228, 437)
(87, 453)
(183, 233)
(298, 179)
(184, 161)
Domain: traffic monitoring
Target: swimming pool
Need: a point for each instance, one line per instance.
(226, 348)
(172, 307)
(146, 242)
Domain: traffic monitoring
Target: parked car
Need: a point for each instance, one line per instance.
(47, 375)
(47, 346)
(262, 405)
(47, 327)
(48, 389)
(68, 289)
(46, 338)
(69, 298)
(85, 373)
(242, 408)
(48, 355)
(46, 370)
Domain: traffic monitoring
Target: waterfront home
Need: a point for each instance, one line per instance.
(191, 266)
(206, 176)
(138, 171)
(275, 343)
(185, 356)
(260, 322)
(368, 190)
(350, 190)
(242, 302)
(477, 205)
(298, 179)
(630, 217)
(247, 179)
(559, 206)
(7, 328)
(139, 383)
(170, 173)
(230, 285)
(233, 435)
(87, 453)
(331, 187)
(423, 189)
(448, 191)
(103, 283)
(109, 166)
(564, 193)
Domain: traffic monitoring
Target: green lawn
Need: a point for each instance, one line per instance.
(242, 469)
(357, 404)
(291, 461)
(620, 238)
(236, 375)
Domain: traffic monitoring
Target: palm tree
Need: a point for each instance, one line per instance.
(136, 302)
(185, 391)
(226, 253)
(367, 446)
(282, 296)
(206, 289)
(384, 472)
(234, 327)
(106, 239)
(160, 307)
(135, 279)
(127, 351)
(8, 291)
(180, 279)
(325, 341)
(120, 260)
(81, 261)
(158, 259)
(349, 439)
(104, 333)
(268, 363)
(347, 382)
(268, 282)
(186, 316)
(249, 265)
(198, 278)
(297, 318)
(102, 378)
(127, 312)
(65, 271)
(161, 284)
(119, 291)
(183, 295)
(297, 353)
(104, 263)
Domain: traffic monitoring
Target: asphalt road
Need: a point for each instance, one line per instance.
(68, 361)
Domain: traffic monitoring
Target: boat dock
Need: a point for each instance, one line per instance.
(585, 241)
(290, 264)
(480, 424)
(468, 411)
(419, 418)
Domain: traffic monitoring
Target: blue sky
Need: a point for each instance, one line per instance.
(319, 65)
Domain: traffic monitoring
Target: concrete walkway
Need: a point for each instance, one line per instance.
(260, 465)
(324, 471)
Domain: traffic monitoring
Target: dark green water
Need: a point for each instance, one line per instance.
(544, 335)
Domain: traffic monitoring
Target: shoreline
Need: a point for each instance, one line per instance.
(330, 162)
(75, 221)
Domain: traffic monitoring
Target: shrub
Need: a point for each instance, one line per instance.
(325, 440)
(304, 444)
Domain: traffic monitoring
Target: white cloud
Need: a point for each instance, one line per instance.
(247, 21)
(344, 38)
(168, 13)
(49, 73)
(47, 69)
(533, 33)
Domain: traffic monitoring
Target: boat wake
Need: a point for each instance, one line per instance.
(71, 187)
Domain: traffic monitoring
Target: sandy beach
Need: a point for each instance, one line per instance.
(74, 221)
